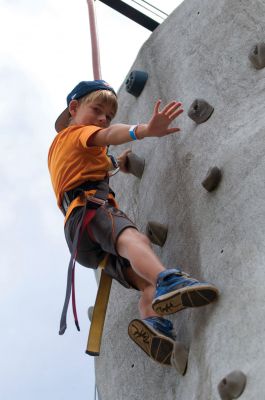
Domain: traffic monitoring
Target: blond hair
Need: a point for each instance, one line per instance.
(105, 97)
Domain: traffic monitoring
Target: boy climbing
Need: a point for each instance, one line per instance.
(79, 166)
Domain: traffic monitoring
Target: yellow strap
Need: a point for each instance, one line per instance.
(103, 263)
(99, 312)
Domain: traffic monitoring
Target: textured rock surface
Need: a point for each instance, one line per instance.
(201, 51)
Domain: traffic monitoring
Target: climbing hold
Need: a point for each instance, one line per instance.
(212, 180)
(232, 385)
(200, 111)
(135, 82)
(90, 312)
(156, 232)
(179, 358)
(257, 55)
(135, 165)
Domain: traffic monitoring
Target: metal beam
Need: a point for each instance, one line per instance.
(132, 13)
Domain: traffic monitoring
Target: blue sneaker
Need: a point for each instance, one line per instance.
(155, 336)
(176, 290)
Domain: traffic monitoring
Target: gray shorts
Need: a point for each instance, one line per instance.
(98, 238)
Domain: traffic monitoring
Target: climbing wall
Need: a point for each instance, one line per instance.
(212, 51)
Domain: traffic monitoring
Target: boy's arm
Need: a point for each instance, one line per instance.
(158, 126)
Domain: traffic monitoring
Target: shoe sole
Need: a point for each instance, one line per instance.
(183, 298)
(156, 346)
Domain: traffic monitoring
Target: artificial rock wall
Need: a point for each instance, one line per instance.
(200, 51)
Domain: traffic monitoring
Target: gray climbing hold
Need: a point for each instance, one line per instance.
(179, 358)
(232, 385)
(135, 82)
(257, 55)
(212, 180)
(90, 312)
(156, 232)
(200, 111)
(135, 165)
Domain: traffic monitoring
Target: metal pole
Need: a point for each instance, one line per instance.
(132, 13)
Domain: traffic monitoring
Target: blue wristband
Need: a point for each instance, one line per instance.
(132, 132)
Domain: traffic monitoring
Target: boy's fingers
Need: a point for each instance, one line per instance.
(175, 114)
(157, 105)
(172, 130)
(172, 106)
(172, 110)
(169, 106)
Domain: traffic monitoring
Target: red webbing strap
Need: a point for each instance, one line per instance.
(70, 288)
(88, 217)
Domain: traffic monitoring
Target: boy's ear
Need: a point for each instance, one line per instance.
(73, 105)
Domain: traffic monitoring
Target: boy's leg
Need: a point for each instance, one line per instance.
(175, 290)
(147, 292)
(154, 334)
(112, 232)
(136, 247)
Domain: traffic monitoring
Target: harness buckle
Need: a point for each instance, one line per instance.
(96, 200)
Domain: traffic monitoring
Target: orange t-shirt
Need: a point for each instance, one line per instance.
(72, 162)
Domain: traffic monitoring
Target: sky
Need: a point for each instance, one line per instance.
(45, 51)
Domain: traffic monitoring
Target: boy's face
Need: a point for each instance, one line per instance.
(92, 113)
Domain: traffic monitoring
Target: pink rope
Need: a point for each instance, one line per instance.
(94, 40)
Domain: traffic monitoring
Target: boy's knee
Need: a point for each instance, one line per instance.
(132, 234)
(145, 239)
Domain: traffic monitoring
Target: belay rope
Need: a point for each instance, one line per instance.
(94, 40)
(101, 303)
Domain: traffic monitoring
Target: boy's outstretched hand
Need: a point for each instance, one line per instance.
(122, 160)
(158, 125)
